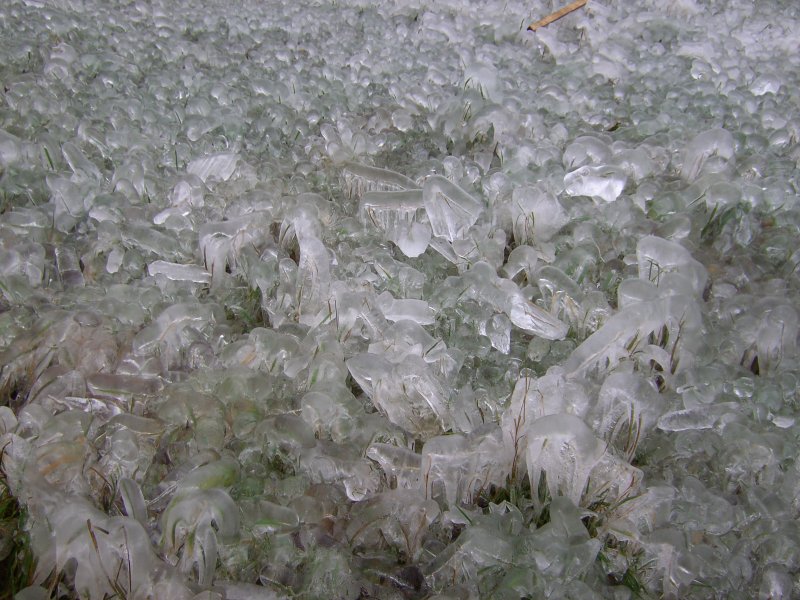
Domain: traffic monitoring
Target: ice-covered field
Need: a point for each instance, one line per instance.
(395, 300)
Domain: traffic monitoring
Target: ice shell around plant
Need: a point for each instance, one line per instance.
(346, 299)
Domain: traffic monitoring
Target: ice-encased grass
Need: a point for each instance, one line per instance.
(304, 300)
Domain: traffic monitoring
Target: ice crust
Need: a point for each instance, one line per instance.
(354, 299)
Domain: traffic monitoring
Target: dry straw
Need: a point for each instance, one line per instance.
(572, 6)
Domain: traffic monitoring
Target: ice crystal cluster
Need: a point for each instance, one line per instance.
(355, 299)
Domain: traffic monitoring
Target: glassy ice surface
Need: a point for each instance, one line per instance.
(451, 210)
(359, 299)
(603, 182)
(713, 144)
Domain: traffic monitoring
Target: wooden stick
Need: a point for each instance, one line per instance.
(572, 6)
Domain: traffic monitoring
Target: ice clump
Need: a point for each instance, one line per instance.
(168, 333)
(191, 523)
(586, 150)
(215, 167)
(603, 182)
(522, 259)
(408, 392)
(400, 465)
(397, 516)
(82, 168)
(451, 210)
(178, 272)
(409, 310)
(701, 417)
(459, 311)
(677, 314)
(482, 285)
(660, 259)
(479, 548)
(565, 449)
(535, 215)
(396, 214)
(458, 466)
(221, 242)
(705, 146)
(362, 178)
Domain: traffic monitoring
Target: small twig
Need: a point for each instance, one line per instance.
(572, 6)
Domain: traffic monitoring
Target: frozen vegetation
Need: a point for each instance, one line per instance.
(357, 299)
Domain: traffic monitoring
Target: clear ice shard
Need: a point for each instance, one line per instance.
(563, 447)
(82, 167)
(408, 338)
(522, 259)
(626, 402)
(98, 544)
(271, 518)
(636, 163)
(534, 398)
(191, 524)
(534, 320)
(451, 210)
(68, 202)
(776, 340)
(712, 143)
(187, 192)
(388, 210)
(498, 330)
(558, 288)
(10, 148)
(329, 463)
(604, 182)
(562, 549)
(402, 309)
(414, 240)
(151, 240)
(133, 500)
(631, 291)
(330, 410)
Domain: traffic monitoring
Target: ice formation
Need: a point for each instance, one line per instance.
(350, 299)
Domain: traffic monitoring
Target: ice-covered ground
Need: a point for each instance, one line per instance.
(399, 300)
